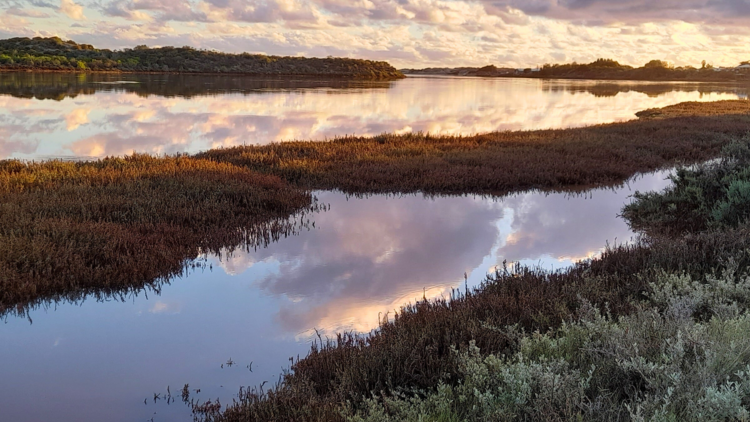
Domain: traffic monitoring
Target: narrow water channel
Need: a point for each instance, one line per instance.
(106, 359)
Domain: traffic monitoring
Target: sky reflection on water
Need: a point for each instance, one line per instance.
(365, 256)
(72, 116)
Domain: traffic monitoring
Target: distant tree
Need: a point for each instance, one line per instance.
(658, 64)
(605, 63)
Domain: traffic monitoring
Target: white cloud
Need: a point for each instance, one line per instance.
(72, 9)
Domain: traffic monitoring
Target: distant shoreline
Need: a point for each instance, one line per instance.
(56, 55)
(601, 69)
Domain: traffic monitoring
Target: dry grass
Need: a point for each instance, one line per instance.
(697, 109)
(500, 162)
(115, 225)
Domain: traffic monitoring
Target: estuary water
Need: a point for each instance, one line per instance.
(239, 320)
(74, 116)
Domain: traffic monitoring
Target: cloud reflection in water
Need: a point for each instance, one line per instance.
(147, 117)
(372, 255)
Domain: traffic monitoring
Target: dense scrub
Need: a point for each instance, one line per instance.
(112, 226)
(653, 70)
(656, 330)
(500, 162)
(710, 195)
(602, 69)
(54, 54)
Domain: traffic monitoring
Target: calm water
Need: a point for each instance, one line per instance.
(99, 360)
(54, 115)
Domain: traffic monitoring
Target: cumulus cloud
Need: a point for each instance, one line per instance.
(72, 9)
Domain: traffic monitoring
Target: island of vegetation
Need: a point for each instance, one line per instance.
(654, 330)
(56, 55)
(604, 69)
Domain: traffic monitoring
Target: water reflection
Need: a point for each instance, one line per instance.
(371, 256)
(99, 360)
(60, 115)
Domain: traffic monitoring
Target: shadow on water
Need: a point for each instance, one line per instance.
(58, 86)
(604, 89)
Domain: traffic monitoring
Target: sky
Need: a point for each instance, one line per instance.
(406, 33)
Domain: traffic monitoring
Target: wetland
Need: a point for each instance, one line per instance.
(204, 253)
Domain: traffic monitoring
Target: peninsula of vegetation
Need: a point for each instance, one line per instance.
(604, 69)
(55, 55)
(66, 226)
(656, 330)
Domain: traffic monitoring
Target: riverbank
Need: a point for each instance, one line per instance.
(601, 69)
(56, 55)
(65, 227)
(656, 330)
(501, 162)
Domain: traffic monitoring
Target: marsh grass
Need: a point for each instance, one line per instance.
(654, 330)
(114, 225)
(501, 162)
(420, 348)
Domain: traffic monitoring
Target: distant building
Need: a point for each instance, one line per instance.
(743, 67)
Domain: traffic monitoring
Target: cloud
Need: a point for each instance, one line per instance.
(77, 118)
(72, 9)
(603, 12)
(289, 11)
(367, 256)
(28, 13)
(160, 307)
(163, 10)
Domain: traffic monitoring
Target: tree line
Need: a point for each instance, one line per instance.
(55, 54)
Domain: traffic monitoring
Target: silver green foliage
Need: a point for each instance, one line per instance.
(684, 355)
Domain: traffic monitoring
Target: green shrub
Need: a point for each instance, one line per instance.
(652, 365)
(712, 195)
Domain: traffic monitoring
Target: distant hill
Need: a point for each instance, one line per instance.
(55, 54)
(605, 69)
